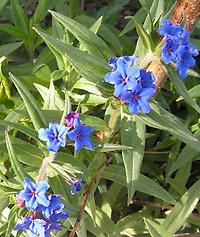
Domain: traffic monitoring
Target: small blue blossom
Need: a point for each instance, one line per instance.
(76, 186)
(128, 60)
(33, 227)
(177, 47)
(54, 210)
(81, 135)
(168, 50)
(132, 85)
(138, 99)
(146, 79)
(34, 194)
(45, 211)
(55, 136)
(123, 77)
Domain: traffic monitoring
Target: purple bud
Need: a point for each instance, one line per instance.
(70, 118)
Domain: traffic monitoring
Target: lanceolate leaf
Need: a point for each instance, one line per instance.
(186, 155)
(133, 135)
(162, 119)
(180, 87)
(183, 209)
(30, 103)
(155, 229)
(144, 184)
(24, 129)
(86, 35)
(88, 66)
(17, 167)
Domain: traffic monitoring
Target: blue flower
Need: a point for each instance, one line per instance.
(128, 60)
(76, 186)
(138, 99)
(184, 60)
(55, 136)
(34, 194)
(123, 77)
(169, 50)
(33, 227)
(81, 135)
(173, 30)
(54, 210)
(177, 47)
(146, 79)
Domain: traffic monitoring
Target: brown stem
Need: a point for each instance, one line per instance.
(87, 194)
(187, 10)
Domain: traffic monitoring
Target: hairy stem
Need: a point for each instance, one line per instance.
(45, 163)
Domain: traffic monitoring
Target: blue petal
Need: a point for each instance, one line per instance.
(42, 199)
(42, 134)
(42, 186)
(32, 203)
(29, 184)
(144, 106)
(113, 77)
(73, 134)
(133, 108)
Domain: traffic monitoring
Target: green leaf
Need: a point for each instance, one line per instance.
(3, 4)
(19, 17)
(88, 99)
(183, 209)
(19, 127)
(133, 135)
(14, 31)
(144, 184)
(186, 155)
(45, 93)
(105, 32)
(31, 104)
(42, 10)
(88, 66)
(7, 49)
(107, 147)
(193, 92)
(155, 229)
(180, 87)
(144, 36)
(28, 154)
(162, 119)
(12, 219)
(97, 123)
(17, 167)
(149, 186)
(84, 35)
(105, 223)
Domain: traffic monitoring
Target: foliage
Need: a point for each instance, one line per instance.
(139, 172)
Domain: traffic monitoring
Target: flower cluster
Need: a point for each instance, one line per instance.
(133, 85)
(57, 135)
(45, 211)
(177, 47)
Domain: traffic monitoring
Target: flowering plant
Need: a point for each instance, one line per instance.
(99, 133)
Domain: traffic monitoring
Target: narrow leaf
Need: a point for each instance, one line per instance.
(133, 135)
(17, 167)
(180, 87)
(30, 103)
(183, 209)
